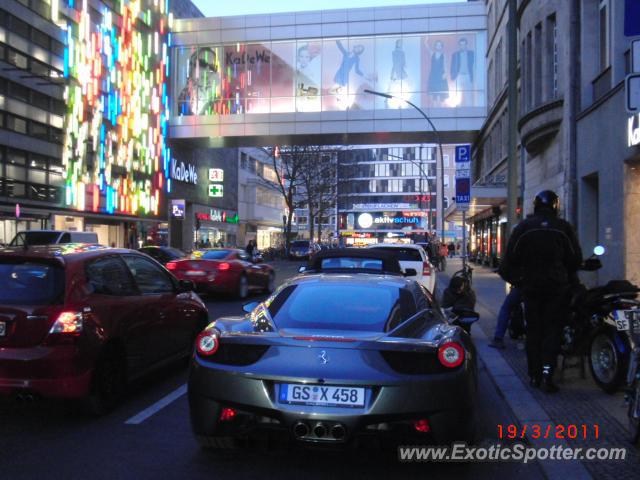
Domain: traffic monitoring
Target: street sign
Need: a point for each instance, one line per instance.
(631, 16)
(215, 190)
(635, 56)
(463, 191)
(463, 153)
(632, 89)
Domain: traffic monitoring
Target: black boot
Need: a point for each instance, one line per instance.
(547, 385)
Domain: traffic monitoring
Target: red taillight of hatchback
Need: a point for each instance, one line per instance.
(172, 266)
(68, 323)
(426, 269)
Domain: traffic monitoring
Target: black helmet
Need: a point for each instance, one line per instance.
(546, 200)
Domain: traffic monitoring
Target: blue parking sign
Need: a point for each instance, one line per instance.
(463, 153)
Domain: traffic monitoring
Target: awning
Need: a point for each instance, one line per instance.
(482, 199)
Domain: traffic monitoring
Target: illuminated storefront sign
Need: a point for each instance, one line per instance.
(389, 220)
(216, 215)
(184, 172)
(216, 190)
(382, 206)
(216, 175)
(633, 130)
(432, 70)
(177, 208)
(116, 66)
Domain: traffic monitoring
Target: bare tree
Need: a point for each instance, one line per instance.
(288, 163)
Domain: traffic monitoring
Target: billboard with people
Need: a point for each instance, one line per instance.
(439, 70)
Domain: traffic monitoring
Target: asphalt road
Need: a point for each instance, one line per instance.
(144, 439)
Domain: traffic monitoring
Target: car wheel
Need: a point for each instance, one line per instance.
(271, 283)
(217, 443)
(243, 287)
(108, 383)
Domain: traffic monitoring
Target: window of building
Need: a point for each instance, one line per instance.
(302, 220)
(19, 92)
(40, 100)
(446, 181)
(537, 67)
(604, 34)
(552, 58)
(528, 76)
(40, 38)
(499, 81)
(17, 59)
(16, 124)
(19, 27)
(490, 81)
(39, 130)
(445, 159)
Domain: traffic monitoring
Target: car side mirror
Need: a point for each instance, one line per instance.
(186, 286)
(410, 272)
(250, 307)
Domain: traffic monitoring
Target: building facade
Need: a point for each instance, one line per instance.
(260, 201)
(391, 192)
(608, 143)
(82, 142)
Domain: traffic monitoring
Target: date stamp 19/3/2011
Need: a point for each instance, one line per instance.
(535, 431)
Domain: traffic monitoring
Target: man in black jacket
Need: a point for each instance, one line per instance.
(543, 256)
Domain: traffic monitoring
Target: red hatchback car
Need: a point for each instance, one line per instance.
(228, 270)
(81, 321)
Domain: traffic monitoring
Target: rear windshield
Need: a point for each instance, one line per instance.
(30, 283)
(34, 238)
(300, 244)
(346, 262)
(403, 254)
(210, 254)
(341, 306)
(175, 253)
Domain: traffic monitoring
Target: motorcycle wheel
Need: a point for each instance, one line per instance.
(634, 419)
(607, 364)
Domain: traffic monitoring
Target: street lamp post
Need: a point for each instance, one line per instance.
(389, 96)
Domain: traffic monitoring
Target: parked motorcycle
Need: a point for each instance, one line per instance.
(628, 321)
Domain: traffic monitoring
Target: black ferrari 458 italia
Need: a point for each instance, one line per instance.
(348, 350)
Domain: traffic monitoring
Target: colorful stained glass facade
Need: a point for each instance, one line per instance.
(116, 64)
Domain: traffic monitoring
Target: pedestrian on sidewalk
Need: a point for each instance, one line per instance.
(458, 295)
(543, 256)
(512, 301)
(451, 249)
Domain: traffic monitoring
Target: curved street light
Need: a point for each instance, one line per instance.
(435, 130)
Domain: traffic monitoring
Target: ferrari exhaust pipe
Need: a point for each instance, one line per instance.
(338, 432)
(320, 430)
(300, 430)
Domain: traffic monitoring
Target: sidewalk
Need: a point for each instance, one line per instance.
(579, 402)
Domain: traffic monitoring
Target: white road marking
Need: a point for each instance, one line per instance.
(156, 407)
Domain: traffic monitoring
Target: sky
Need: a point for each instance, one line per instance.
(223, 8)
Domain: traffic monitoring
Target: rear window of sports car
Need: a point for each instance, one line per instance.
(340, 306)
(403, 254)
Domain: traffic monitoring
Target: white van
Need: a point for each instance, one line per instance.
(49, 237)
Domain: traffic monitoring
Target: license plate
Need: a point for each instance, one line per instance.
(623, 317)
(195, 273)
(3, 329)
(322, 395)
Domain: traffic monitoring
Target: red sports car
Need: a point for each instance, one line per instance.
(225, 270)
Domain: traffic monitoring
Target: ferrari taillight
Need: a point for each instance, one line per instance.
(207, 342)
(451, 354)
(172, 266)
(224, 266)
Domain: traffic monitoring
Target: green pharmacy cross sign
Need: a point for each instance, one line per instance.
(216, 190)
